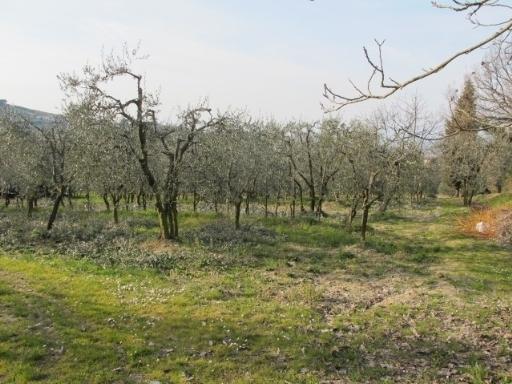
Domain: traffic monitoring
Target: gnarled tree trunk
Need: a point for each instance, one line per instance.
(56, 204)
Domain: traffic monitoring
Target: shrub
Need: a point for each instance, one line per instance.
(224, 233)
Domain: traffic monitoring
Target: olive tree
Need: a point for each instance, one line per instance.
(46, 155)
(372, 165)
(313, 150)
(160, 149)
(231, 160)
(107, 166)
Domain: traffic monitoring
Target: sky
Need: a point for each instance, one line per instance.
(269, 57)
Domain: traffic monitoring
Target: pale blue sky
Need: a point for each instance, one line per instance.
(270, 56)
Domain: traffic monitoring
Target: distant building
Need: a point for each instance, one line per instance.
(3, 102)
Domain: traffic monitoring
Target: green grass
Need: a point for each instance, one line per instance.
(419, 302)
(497, 200)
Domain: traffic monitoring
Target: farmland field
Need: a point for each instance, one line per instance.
(282, 300)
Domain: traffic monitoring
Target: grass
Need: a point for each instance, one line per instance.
(502, 200)
(419, 302)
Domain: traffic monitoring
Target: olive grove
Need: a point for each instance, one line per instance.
(110, 143)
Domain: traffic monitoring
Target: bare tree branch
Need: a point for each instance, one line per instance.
(387, 86)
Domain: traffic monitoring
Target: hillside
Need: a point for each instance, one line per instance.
(35, 116)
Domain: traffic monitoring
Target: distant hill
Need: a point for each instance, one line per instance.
(38, 118)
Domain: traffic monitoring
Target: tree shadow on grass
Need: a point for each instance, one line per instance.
(100, 342)
(406, 359)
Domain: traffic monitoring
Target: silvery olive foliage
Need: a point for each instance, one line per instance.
(314, 151)
(236, 160)
(109, 142)
(40, 159)
(161, 149)
(223, 161)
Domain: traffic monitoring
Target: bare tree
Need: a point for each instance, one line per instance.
(381, 85)
(494, 86)
(376, 155)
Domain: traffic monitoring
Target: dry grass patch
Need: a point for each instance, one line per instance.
(494, 223)
(468, 224)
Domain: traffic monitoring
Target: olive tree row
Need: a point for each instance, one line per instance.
(41, 159)
(117, 147)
